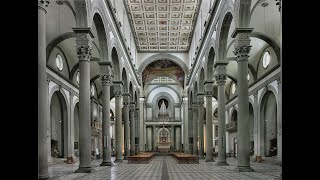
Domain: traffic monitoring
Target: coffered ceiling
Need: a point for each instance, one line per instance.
(162, 25)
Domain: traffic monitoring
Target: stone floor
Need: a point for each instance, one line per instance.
(164, 168)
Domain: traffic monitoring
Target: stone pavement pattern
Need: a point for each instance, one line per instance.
(154, 171)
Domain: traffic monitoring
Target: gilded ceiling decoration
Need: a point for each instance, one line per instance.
(162, 25)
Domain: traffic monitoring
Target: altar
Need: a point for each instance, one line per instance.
(163, 149)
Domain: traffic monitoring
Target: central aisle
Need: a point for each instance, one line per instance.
(166, 168)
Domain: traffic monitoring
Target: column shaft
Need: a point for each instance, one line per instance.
(221, 126)
(137, 132)
(209, 135)
(132, 129)
(154, 140)
(106, 81)
(279, 122)
(84, 47)
(43, 172)
(195, 128)
(126, 130)
(200, 128)
(118, 125)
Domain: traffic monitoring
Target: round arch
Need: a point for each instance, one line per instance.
(147, 95)
(161, 89)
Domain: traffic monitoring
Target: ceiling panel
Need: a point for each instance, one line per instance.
(162, 25)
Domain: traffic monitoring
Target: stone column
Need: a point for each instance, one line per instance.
(186, 126)
(105, 75)
(178, 137)
(43, 172)
(256, 124)
(172, 136)
(190, 135)
(279, 121)
(141, 125)
(200, 97)
(132, 128)
(137, 133)
(242, 49)
(154, 140)
(84, 47)
(195, 127)
(117, 87)
(208, 86)
(126, 100)
(221, 76)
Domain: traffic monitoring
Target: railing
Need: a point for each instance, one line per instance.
(232, 126)
(164, 119)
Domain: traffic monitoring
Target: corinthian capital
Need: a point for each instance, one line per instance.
(42, 4)
(220, 78)
(242, 52)
(132, 106)
(84, 43)
(106, 79)
(117, 88)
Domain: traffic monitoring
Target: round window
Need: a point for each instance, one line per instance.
(59, 62)
(266, 59)
(233, 88)
(92, 90)
(78, 77)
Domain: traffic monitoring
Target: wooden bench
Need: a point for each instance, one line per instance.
(183, 158)
(143, 158)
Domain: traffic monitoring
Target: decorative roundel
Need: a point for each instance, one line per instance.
(266, 59)
(59, 62)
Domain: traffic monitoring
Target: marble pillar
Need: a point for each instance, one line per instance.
(132, 128)
(126, 102)
(84, 47)
(106, 77)
(242, 49)
(221, 76)
(195, 127)
(43, 172)
(208, 86)
(117, 88)
(137, 133)
(200, 97)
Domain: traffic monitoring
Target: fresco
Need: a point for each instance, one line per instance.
(163, 67)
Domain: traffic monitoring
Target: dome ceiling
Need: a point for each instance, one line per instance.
(162, 25)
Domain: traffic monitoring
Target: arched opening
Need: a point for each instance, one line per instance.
(251, 127)
(234, 118)
(268, 120)
(210, 62)
(124, 80)
(201, 81)
(131, 91)
(115, 64)
(224, 34)
(59, 126)
(76, 130)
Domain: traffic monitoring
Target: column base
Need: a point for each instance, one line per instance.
(125, 158)
(44, 176)
(106, 164)
(222, 164)
(84, 170)
(210, 160)
(118, 160)
(243, 169)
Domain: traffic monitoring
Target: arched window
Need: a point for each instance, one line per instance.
(248, 77)
(233, 88)
(59, 62)
(266, 59)
(92, 90)
(78, 77)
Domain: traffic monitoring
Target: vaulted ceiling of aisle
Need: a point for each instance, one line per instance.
(162, 25)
